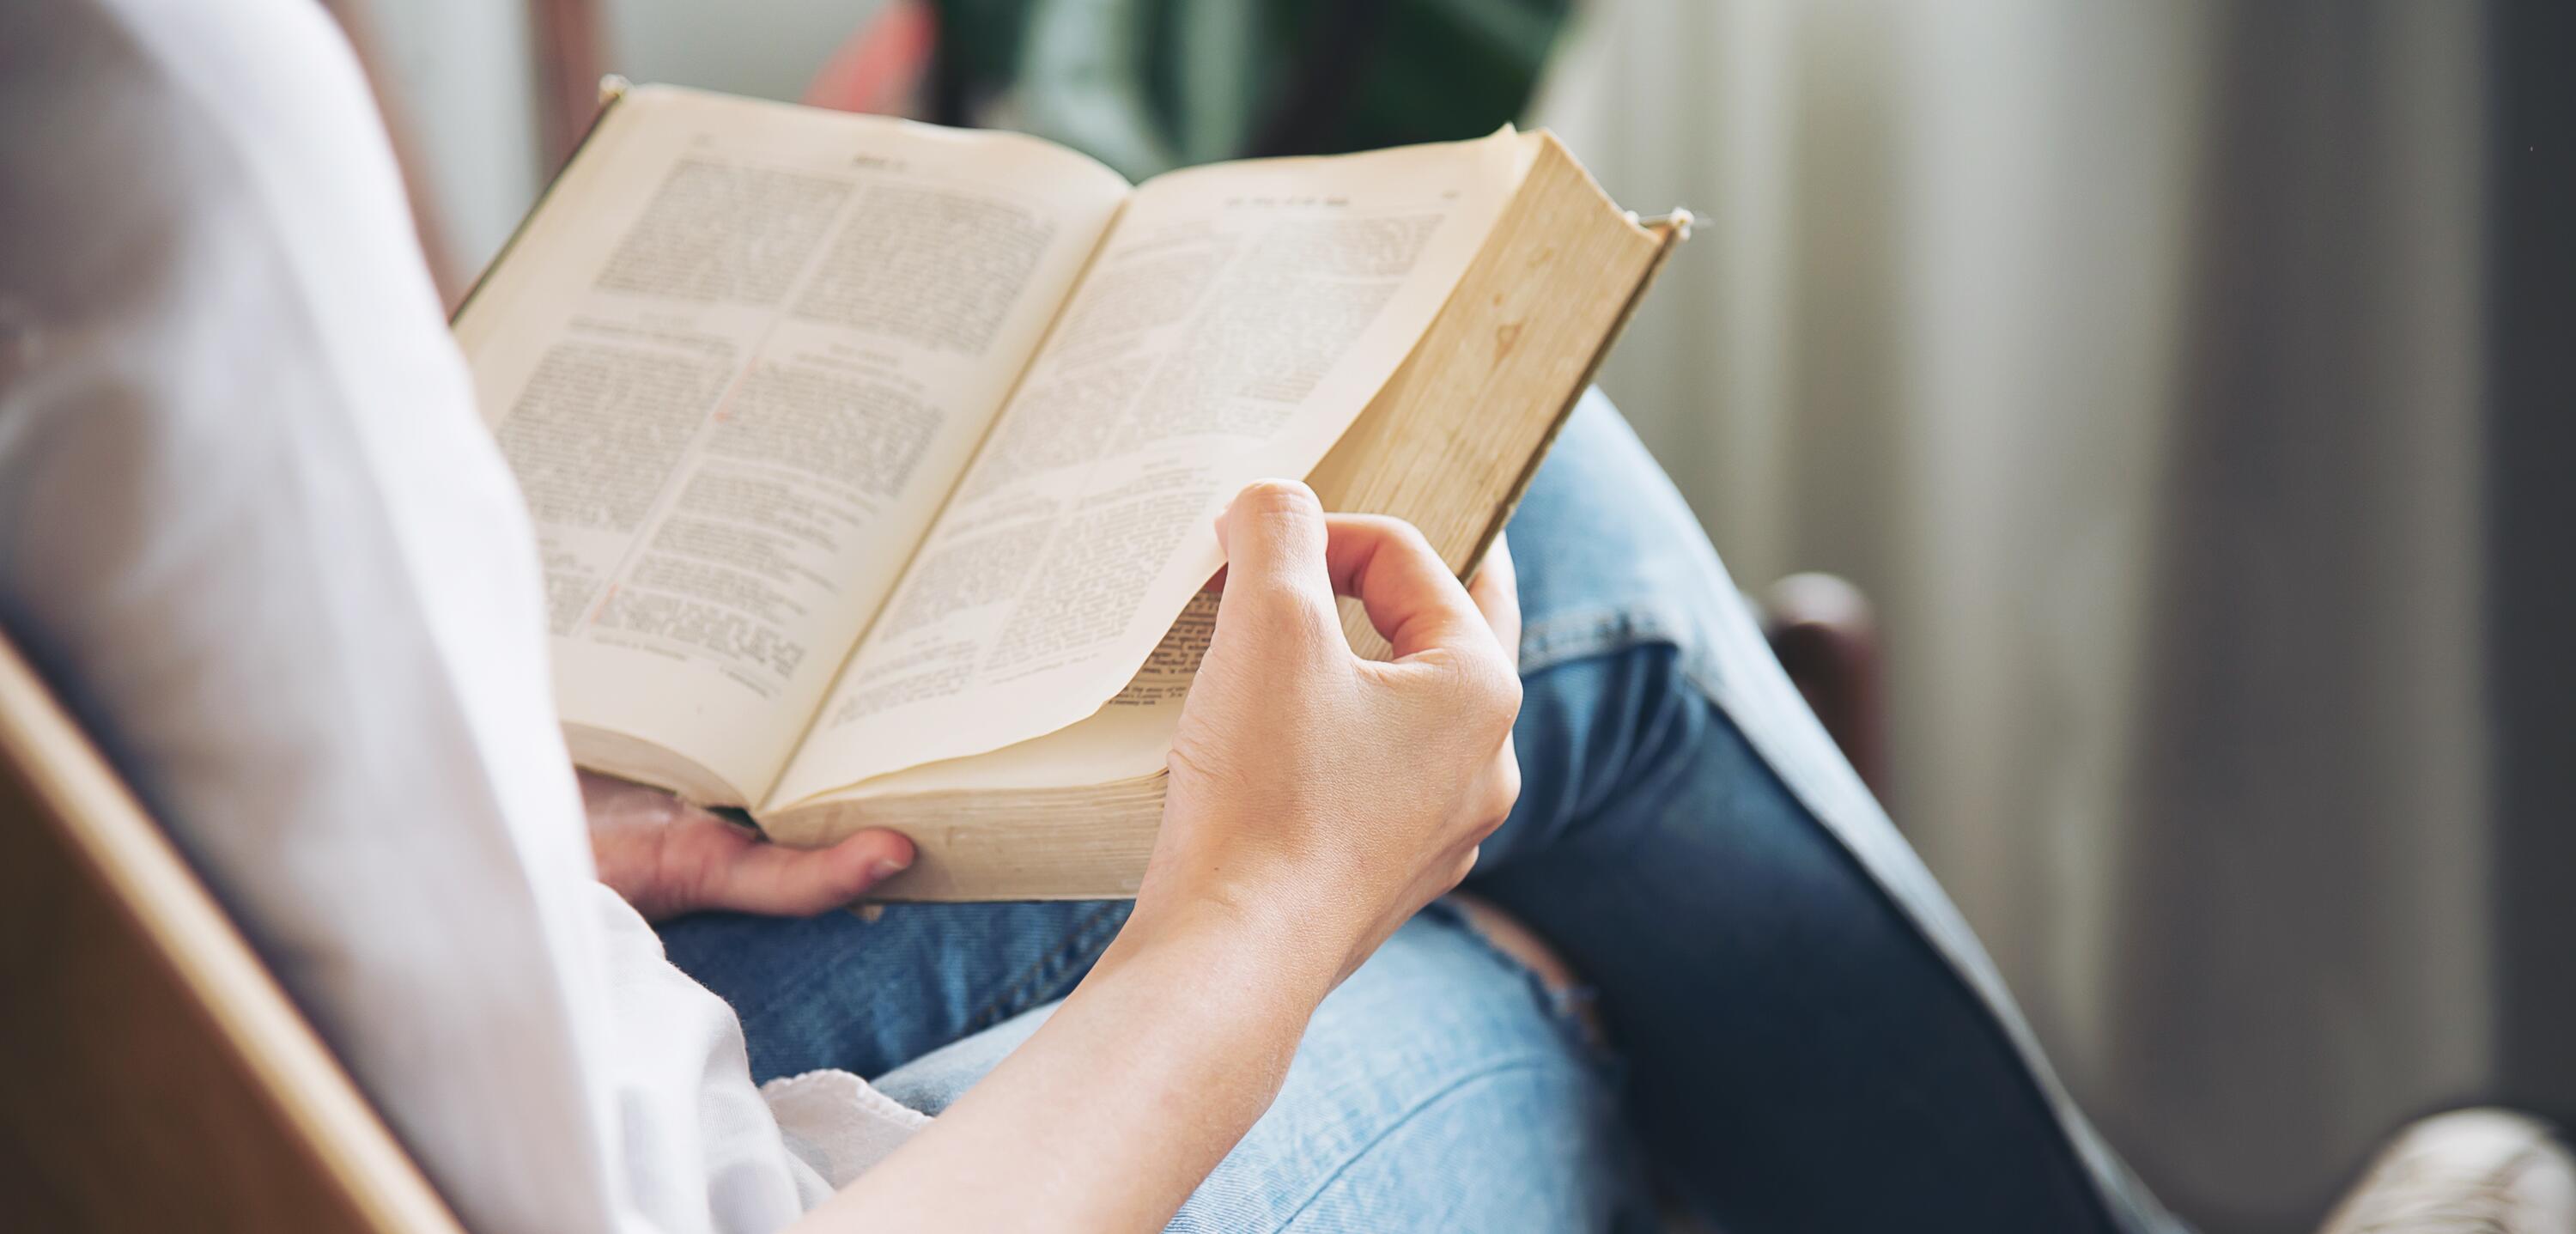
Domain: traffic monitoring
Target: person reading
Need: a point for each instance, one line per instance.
(253, 531)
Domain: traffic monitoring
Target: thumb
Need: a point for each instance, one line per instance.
(778, 881)
(1277, 575)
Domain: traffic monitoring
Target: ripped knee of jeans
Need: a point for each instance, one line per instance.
(1566, 990)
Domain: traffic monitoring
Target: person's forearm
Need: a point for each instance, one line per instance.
(1110, 1115)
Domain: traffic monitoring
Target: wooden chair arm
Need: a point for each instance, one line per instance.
(1826, 637)
(158, 1077)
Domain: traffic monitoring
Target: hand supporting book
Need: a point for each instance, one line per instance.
(669, 858)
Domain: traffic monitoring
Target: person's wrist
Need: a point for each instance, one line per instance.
(1251, 958)
(1248, 905)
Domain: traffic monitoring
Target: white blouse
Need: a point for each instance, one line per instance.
(251, 527)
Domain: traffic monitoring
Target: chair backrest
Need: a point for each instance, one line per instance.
(156, 1077)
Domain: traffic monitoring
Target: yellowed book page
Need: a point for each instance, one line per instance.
(1234, 323)
(1128, 737)
(737, 363)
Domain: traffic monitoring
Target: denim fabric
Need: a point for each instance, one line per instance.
(1812, 1038)
(840, 990)
(1815, 1040)
(1436, 1089)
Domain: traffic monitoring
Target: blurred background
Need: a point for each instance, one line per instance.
(2187, 386)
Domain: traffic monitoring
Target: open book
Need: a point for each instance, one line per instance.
(875, 464)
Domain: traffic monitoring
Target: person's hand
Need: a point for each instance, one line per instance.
(669, 858)
(1326, 796)
(1315, 801)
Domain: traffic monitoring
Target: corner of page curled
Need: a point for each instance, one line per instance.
(1675, 223)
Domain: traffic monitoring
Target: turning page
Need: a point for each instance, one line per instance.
(752, 349)
(1235, 321)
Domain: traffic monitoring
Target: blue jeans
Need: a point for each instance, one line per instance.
(1807, 1036)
